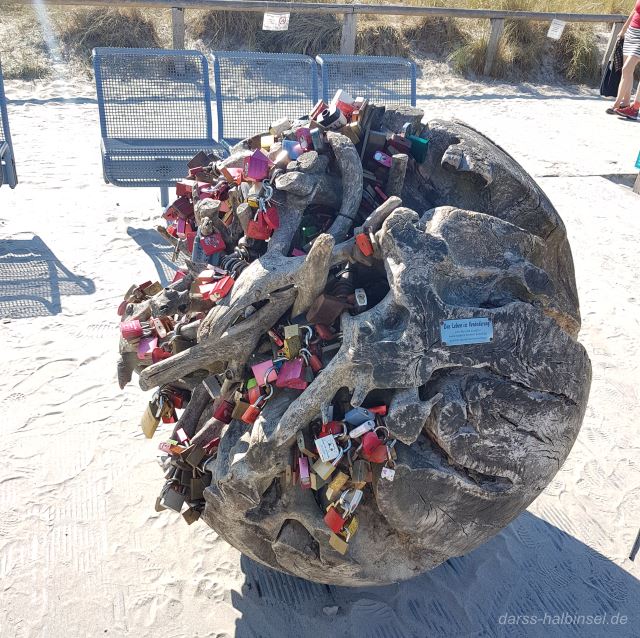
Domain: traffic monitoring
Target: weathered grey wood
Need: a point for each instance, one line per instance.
(177, 27)
(615, 30)
(497, 27)
(392, 9)
(348, 38)
(636, 186)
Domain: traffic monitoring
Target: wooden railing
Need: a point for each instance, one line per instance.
(350, 14)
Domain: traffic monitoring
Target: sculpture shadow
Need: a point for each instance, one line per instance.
(531, 580)
(159, 250)
(33, 280)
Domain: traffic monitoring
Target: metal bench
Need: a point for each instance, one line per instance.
(255, 89)
(380, 79)
(8, 173)
(155, 114)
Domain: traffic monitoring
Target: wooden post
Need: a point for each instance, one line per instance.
(348, 39)
(177, 24)
(615, 30)
(497, 27)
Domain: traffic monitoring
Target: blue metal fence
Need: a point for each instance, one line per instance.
(8, 173)
(252, 90)
(155, 113)
(380, 79)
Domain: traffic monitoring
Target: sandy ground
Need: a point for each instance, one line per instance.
(82, 552)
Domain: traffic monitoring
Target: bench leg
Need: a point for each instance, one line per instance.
(164, 196)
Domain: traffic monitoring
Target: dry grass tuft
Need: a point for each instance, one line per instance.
(380, 39)
(85, 29)
(435, 35)
(576, 54)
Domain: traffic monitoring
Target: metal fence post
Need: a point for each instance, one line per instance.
(615, 30)
(348, 39)
(497, 27)
(177, 25)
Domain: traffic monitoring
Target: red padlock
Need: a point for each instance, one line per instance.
(182, 208)
(331, 427)
(363, 242)
(190, 237)
(334, 521)
(315, 363)
(370, 442)
(271, 218)
(251, 414)
(224, 411)
(324, 332)
(257, 228)
(131, 330)
(379, 409)
(159, 354)
(379, 455)
(184, 188)
(212, 244)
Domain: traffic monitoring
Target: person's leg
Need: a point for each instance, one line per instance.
(626, 83)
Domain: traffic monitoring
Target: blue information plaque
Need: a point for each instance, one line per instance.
(459, 332)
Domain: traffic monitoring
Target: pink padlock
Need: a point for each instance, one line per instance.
(291, 375)
(303, 135)
(131, 330)
(260, 371)
(146, 346)
(256, 166)
(382, 158)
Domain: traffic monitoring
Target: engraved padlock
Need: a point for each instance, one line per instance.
(337, 484)
(292, 341)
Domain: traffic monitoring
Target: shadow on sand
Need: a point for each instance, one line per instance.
(159, 250)
(531, 569)
(32, 280)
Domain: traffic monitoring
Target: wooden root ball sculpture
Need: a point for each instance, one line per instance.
(465, 355)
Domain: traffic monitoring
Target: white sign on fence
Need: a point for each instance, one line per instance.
(276, 22)
(556, 29)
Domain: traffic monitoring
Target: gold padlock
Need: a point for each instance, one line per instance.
(292, 341)
(240, 408)
(316, 481)
(324, 469)
(338, 543)
(360, 473)
(150, 419)
(336, 485)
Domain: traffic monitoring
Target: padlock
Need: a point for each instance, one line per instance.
(292, 375)
(382, 158)
(267, 141)
(303, 135)
(332, 118)
(324, 332)
(292, 341)
(212, 244)
(339, 543)
(253, 390)
(304, 444)
(316, 482)
(419, 147)
(318, 107)
(360, 473)
(327, 448)
(292, 148)
(357, 416)
(361, 430)
(219, 289)
(131, 330)
(196, 488)
(324, 469)
(151, 417)
(168, 413)
(305, 479)
(271, 217)
(399, 144)
(257, 228)
(333, 519)
(159, 354)
(173, 498)
(224, 411)
(361, 233)
(361, 300)
(146, 346)
(257, 165)
(191, 515)
(184, 187)
(331, 427)
(239, 409)
(317, 140)
(253, 411)
(182, 208)
(265, 372)
(313, 361)
(344, 102)
(370, 442)
(337, 484)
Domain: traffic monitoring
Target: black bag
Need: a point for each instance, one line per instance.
(613, 74)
